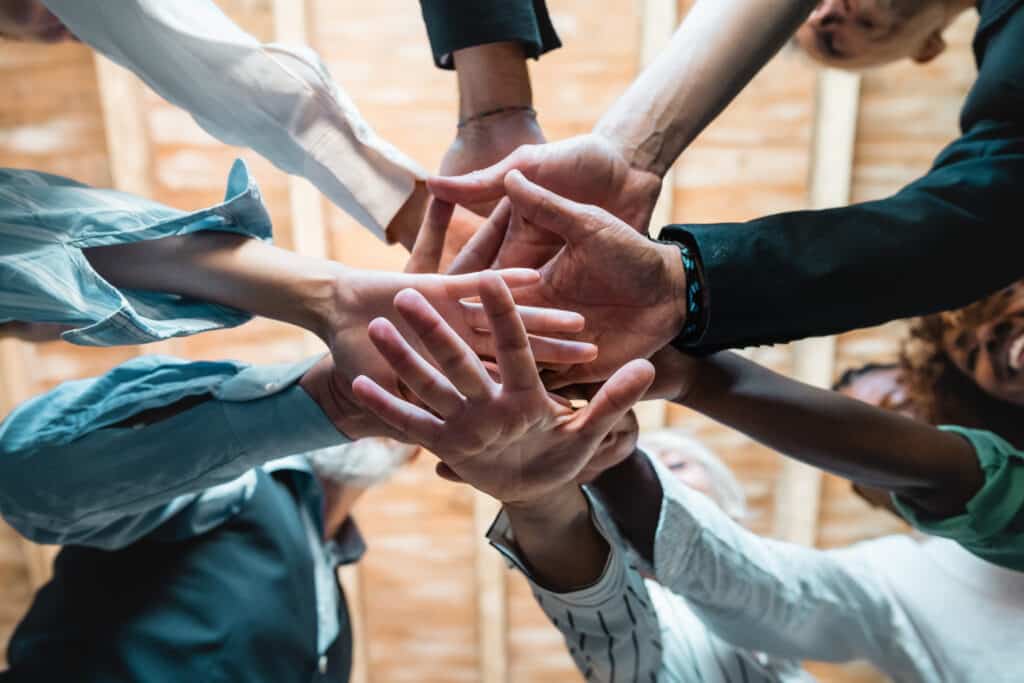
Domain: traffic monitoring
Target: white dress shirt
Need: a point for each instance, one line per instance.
(279, 101)
(728, 605)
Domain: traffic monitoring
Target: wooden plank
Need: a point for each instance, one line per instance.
(124, 123)
(309, 236)
(492, 595)
(798, 491)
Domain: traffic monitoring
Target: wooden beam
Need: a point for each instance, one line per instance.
(309, 237)
(125, 127)
(798, 492)
(492, 595)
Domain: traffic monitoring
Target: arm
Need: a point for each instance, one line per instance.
(719, 47)
(942, 242)
(104, 460)
(280, 102)
(758, 594)
(937, 470)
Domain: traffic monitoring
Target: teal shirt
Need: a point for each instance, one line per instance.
(45, 223)
(993, 525)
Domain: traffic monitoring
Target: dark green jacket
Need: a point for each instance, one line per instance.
(456, 24)
(950, 238)
(236, 604)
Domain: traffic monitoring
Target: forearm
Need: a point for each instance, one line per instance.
(227, 269)
(869, 445)
(718, 48)
(492, 76)
(558, 540)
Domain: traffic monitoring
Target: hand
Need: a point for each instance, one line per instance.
(588, 169)
(632, 291)
(615, 448)
(511, 439)
(484, 142)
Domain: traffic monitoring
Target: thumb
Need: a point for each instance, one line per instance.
(485, 185)
(547, 210)
(617, 397)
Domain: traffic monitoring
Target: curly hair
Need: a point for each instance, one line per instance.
(939, 391)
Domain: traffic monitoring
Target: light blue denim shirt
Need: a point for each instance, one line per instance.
(67, 475)
(45, 223)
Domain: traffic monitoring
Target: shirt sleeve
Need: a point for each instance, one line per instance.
(610, 628)
(992, 527)
(787, 600)
(456, 24)
(45, 223)
(279, 101)
(69, 474)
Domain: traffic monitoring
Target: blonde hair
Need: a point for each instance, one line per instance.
(726, 489)
(362, 463)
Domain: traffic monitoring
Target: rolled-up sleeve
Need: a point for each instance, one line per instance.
(45, 223)
(70, 474)
(992, 526)
(279, 101)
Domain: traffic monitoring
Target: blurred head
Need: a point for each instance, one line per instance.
(29, 20)
(697, 467)
(985, 341)
(857, 34)
(360, 464)
(877, 384)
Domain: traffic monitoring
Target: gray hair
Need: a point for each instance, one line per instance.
(361, 463)
(726, 489)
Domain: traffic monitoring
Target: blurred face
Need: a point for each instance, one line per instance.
(29, 20)
(689, 471)
(991, 351)
(856, 34)
(880, 387)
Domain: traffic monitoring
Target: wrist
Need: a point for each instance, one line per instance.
(674, 274)
(492, 76)
(559, 509)
(405, 226)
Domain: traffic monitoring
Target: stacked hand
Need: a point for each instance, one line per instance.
(367, 295)
(504, 435)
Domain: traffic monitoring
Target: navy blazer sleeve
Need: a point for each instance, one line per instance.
(456, 24)
(950, 238)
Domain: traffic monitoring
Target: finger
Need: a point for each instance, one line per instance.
(618, 395)
(466, 286)
(433, 388)
(511, 345)
(429, 246)
(453, 356)
(480, 252)
(537, 320)
(485, 185)
(413, 423)
(448, 474)
(548, 351)
(547, 210)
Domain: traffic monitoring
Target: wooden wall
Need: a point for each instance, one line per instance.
(428, 579)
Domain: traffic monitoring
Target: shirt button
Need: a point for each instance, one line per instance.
(270, 387)
(322, 664)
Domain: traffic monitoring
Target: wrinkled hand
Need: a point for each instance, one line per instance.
(509, 439)
(630, 290)
(588, 169)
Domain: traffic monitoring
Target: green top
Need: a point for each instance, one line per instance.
(993, 525)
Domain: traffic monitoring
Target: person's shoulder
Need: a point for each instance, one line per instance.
(998, 95)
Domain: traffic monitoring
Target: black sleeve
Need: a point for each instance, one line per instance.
(456, 24)
(952, 237)
(942, 242)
